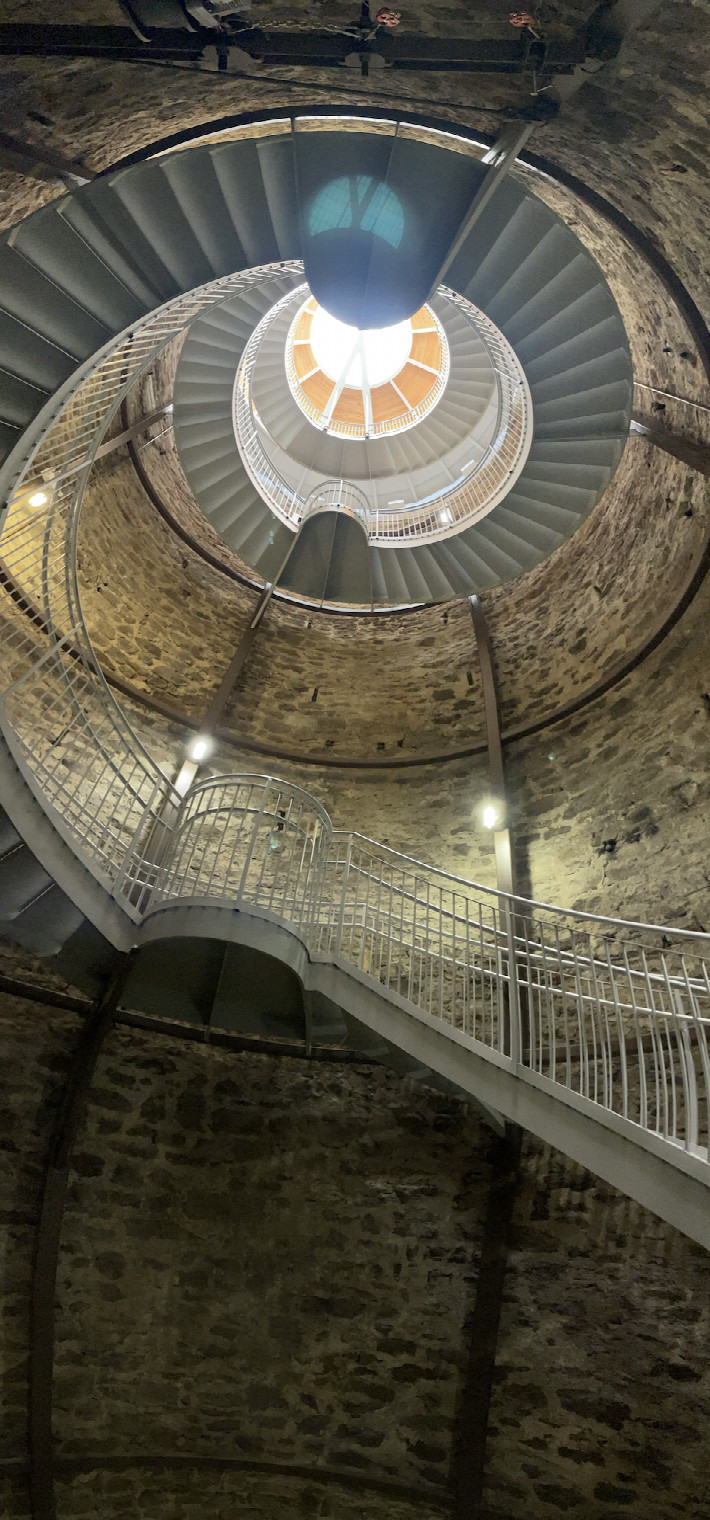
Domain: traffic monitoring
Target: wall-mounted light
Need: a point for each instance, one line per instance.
(491, 816)
(445, 517)
(39, 499)
(200, 747)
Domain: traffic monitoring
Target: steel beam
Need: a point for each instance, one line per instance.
(468, 1472)
(693, 452)
(38, 161)
(502, 839)
(44, 1277)
(601, 39)
(134, 431)
(309, 49)
(500, 159)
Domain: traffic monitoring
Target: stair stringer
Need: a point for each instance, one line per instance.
(629, 1158)
(57, 857)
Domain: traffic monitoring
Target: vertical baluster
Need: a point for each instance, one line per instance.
(702, 1035)
(687, 1070)
(345, 886)
(621, 1035)
(662, 1107)
(643, 1088)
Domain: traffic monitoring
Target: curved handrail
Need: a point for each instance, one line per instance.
(118, 793)
(604, 1012)
(448, 509)
(599, 1011)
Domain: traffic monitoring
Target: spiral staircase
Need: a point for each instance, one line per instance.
(546, 295)
(517, 1005)
(82, 269)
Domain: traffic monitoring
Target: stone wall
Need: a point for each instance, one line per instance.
(156, 613)
(267, 1260)
(134, 1493)
(270, 1261)
(611, 805)
(35, 1044)
(608, 1422)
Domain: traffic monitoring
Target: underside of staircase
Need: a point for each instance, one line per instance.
(85, 267)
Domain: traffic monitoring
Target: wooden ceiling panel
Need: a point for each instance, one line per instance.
(426, 349)
(319, 389)
(415, 383)
(303, 360)
(387, 405)
(350, 407)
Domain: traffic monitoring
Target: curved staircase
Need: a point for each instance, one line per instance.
(592, 1033)
(83, 268)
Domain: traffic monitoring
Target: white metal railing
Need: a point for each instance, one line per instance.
(616, 1014)
(67, 731)
(603, 1013)
(372, 428)
(338, 496)
(447, 510)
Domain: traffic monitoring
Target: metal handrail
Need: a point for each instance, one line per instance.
(448, 509)
(601, 1011)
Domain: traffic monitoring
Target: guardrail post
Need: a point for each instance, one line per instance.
(346, 878)
(252, 843)
(513, 987)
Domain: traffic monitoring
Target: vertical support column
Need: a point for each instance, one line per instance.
(44, 1278)
(469, 1463)
(231, 675)
(502, 839)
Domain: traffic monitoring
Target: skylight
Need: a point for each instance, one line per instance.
(359, 358)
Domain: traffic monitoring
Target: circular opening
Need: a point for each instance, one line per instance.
(365, 383)
(353, 357)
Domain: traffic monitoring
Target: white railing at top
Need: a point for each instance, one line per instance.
(611, 1015)
(446, 511)
(338, 496)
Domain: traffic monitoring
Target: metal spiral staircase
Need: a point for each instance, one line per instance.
(527, 272)
(594, 1034)
(82, 269)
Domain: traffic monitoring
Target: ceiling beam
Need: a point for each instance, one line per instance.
(311, 49)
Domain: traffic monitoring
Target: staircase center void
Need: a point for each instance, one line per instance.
(370, 383)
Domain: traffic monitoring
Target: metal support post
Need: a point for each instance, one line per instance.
(690, 451)
(500, 159)
(513, 1005)
(505, 866)
(37, 161)
(98, 1024)
(468, 1472)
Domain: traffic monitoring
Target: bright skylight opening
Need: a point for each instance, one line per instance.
(356, 358)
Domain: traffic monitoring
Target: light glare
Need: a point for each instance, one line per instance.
(335, 345)
(490, 817)
(200, 748)
(38, 499)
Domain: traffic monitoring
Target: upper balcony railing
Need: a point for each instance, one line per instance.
(447, 510)
(609, 1017)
